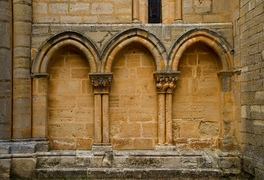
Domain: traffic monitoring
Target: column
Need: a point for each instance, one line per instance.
(22, 15)
(178, 11)
(6, 70)
(161, 119)
(228, 139)
(165, 83)
(105, 118)
(172, 84)
(135, 11)
(101, 84)
(98, 118)
(161, 89)
(40, 106)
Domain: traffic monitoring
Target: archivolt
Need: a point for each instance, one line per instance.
(212, 39)
(55, 43)
(131, 36)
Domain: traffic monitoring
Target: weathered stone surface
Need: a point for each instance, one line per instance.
(40, 8)
(42, 146)
(5, 60)
(80, 8)
(22, 147)
(103, 173)
(70, 98)
(133, 70)
(5, 165)
(102, 8)
(259, 173)
(203, 116)
(5, 76)
(209, 128)
(248, 33)
(56, 162)
(23, 167)
(5, 110)
(58, 8)
(4, 148)
(202, 6)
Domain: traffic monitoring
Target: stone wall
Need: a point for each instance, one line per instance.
(248, 21)
(70, 102)
(211, 111)
(133, 97)
(197, 11)
(5, 69)
(120, 11)
(133, 100)
(101, 35)
(91, 11)
(196, 100)
(22, 21)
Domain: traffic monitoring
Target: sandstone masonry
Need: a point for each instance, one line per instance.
(92, 89)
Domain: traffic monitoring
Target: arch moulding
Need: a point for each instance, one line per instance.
(55, 43)
(134, 36)
(210, 38)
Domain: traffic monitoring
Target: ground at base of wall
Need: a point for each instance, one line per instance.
(241, 177)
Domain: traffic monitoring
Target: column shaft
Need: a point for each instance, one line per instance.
(40, 108)
(22, 15)
(6, 70)
(168, 119)
(178, 10)
(105, 118)
(135, 10)
(161, 119)
(98, 118)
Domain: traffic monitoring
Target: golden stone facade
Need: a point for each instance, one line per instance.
(89, 87)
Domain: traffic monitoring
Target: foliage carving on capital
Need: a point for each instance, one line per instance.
(166, 82)
(101, 82)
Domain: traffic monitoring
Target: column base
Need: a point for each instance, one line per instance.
(165, 148)
(102, 147)
(136, 22)
(178, 21)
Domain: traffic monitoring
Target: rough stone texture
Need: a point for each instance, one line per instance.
(23, 147)
(75, 12)
(21, 75)
(196, 101)
(137, 164)
(70, 102)
(5, 70)
(194, 11)
(249, 44)
(5, 166)
(23, 167)
(133, 100)
(211, 110)
(42, 146)
(5, 148)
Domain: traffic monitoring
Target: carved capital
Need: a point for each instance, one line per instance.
(101, 82)
(166, 81)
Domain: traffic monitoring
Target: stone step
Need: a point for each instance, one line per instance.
(175, 162)
(127, 173)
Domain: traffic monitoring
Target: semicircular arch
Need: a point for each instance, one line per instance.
(208, 37)
(134, 36)
(59, 41)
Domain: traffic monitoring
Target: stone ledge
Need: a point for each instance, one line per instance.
(127, 173)
(165, 148)
(102, 147)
